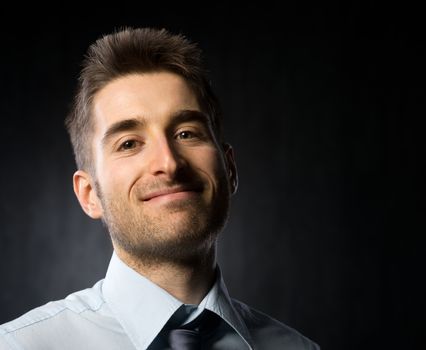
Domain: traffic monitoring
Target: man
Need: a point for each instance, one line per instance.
(145, 128)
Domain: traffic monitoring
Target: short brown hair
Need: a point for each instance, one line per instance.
(130, 51)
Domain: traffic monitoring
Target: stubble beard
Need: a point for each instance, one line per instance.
(179, 232)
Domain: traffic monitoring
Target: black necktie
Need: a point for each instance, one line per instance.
(184, 339)
(193, 334)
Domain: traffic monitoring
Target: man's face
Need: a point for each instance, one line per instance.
(161, 179)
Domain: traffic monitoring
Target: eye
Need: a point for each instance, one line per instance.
(128, 144)
(184, 135)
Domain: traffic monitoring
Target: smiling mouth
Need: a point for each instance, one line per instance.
(172, 193)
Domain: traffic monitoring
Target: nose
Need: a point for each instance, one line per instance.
(164, 158)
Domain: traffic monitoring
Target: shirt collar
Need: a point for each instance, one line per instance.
(143, 308)
(219, 302)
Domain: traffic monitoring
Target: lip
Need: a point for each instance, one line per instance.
(169, 192)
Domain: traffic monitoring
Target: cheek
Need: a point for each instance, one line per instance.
(116, 178)
(211, 163)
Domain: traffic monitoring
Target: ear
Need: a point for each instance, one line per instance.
(86, 194)
(231, 167)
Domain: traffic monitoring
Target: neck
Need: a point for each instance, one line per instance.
(188, 283)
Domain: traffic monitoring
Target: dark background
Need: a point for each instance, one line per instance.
(324, 107)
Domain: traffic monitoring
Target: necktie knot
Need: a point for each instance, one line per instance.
(191, 335)
(184, 339)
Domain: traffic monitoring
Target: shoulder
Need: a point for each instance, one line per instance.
(269, 333)
(54, 317)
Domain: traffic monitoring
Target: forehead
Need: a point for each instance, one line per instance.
(154, 96)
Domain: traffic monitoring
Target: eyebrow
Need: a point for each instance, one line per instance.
(138, 122)
(189, 115)
(122, 126)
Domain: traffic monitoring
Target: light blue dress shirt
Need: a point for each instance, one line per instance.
(127, 311)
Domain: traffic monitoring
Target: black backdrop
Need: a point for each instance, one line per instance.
(323, 106)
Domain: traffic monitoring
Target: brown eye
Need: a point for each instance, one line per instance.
(129, 144)
(183, 135)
